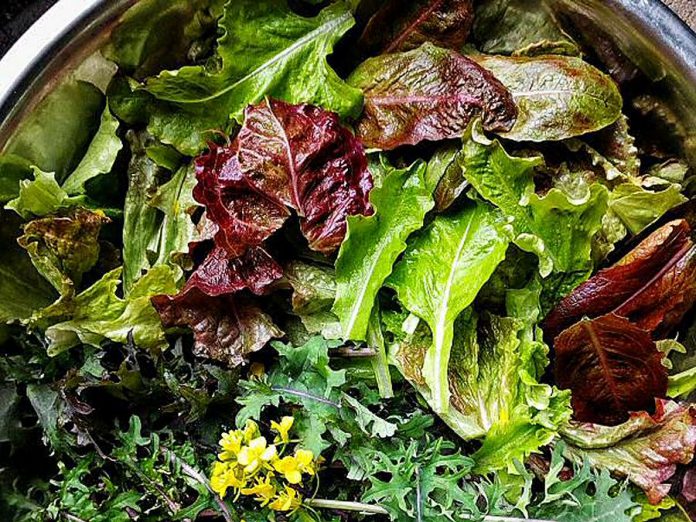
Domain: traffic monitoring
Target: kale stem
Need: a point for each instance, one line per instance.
(306, 395)
(197, 476)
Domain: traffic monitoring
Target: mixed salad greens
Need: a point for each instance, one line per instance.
(349, 260)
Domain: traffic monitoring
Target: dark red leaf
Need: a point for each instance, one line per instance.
(226, 329)
(612, 367)
(302, 157)
(428, 94)
(402, 26)
(218, 275)
(653, 286)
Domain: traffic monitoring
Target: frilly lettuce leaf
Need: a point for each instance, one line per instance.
(373, 243)
(646, 449)
(266, 51)
(42, 196)
(558, 97)
(440, 275)
(13, 169)
(637, 207)
(98, 313)
(64, 247)
(508, 183)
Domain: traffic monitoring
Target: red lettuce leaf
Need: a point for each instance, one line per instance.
(646, 448)
(402, 26)
(612, 367)
(225, 329)
(218, 275)
(302, 157)
(427, 94)
(653, 286)
(285, 157)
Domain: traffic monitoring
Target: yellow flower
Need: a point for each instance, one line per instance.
(253, 456)
(231, 443)
(287, 500)
(251, 431)
(293, 467)
(283, 429)
(264, 490)
(225, 476)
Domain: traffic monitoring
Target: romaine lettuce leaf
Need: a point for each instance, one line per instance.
(440, 275)
(427, 94)
(266, 51)
(558, 97)
(508, 182)
(373, 243)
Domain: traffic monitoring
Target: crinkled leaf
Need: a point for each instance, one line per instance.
(646, 449)
(266, 51)
(314, 287)
(98, 313)
(41, 196)
(444, 176)
(62, 248)
(226, 329)
(439, 276)
(558, 97)
(296, 156)
(373, 244)
(427, 94)
(402, 27)
(517, 27)
(100, 156)
(618, 146)
(508, 182)
(22, 289)
(611, 366)
(653, 286)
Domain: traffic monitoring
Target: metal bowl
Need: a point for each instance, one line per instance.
(645, 31)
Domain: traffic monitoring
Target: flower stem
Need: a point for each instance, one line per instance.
(342, 505)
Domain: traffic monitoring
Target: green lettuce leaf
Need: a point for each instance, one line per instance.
(22, 289)
(314, 292)
(141, 221)
(373, 243)
(13, 169)
(493, 376)
(508, 183)
(99, 158)
(638, 207)
(440, 275)
(518, 27)
(174, 200)
(42, 196)
(62, 248)
(157, 34)
(266, 51)
(98, 313)
(558, 97)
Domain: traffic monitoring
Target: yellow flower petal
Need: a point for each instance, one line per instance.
(283, 429)
(251, 431)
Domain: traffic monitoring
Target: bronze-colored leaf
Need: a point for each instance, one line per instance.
(612, 367)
